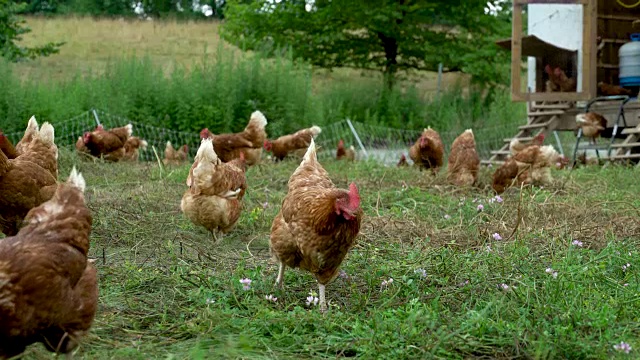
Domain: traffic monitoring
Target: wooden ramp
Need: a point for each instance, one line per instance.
(541, 118)
(629, 148)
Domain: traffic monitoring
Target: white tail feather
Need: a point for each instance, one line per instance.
(315, 130)
(206, 152)
(129, 128)
(76, 179)
(259, 118)
(513, 144)
(311, 152)
(32, 125)
(144, 144)
(47, 133)
(581, 119)
(549, 152)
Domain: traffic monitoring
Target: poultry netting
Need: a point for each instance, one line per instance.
(373, 142)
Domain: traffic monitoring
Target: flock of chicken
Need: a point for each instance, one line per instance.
(53, 299)
(529, 164)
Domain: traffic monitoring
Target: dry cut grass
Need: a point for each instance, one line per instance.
(92, 43)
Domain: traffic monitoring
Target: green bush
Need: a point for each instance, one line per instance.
(221, 93)
(108, 8)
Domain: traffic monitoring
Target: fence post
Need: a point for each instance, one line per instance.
(558, 142)
(355, 134)
(439, 79)
(95, 116)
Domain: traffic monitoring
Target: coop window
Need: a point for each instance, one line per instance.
(582, 71)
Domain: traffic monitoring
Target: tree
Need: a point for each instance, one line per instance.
(384, 35)
(11, 30)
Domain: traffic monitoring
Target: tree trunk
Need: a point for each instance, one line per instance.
(390, 46)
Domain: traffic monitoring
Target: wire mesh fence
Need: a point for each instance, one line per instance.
(68, 131)
(379, 143)
(386, 144)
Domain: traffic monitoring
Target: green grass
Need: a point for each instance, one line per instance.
(167, 293)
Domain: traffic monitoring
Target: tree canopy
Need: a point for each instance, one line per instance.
(384, 35)
(11, 30)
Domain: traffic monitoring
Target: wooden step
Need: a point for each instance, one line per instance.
(534, 126)
(624, 157)
(545, 113)
(628, 131)
(551, 106)
(625, 145)
(521, 139)
(588, 146)
(500, 152)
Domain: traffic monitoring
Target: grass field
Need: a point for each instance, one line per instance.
(167, 293)
(91, 44)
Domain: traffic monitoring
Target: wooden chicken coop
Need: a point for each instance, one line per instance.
(576, 41)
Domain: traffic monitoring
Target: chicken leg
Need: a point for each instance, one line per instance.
(280, 277)
(323, 302)
(217, 238)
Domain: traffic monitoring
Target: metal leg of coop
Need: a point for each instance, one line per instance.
(575, 148)
(621, 117)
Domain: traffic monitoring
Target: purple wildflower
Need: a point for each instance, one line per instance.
(623, 346)
(246, 284)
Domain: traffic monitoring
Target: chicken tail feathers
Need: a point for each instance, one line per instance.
(311, 152)
(581, 119)
(77, 180)
(205, 151)
(315, 130)
(47, 134)
(259, 118)
(32, 125)
(129, 128)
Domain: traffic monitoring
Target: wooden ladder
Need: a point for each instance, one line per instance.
(623, 149)
(541, 118)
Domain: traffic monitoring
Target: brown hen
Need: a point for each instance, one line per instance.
(403, 161)
(250, 141)
(530, 166)
(23, 186)
(292, 144)
(173, 156)
(132, 148)
(317, 224)
(48, 289)
(345, 153)
(428, 151)
(108, 144)
(464, 161)
(216, 189)
(592, 124)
